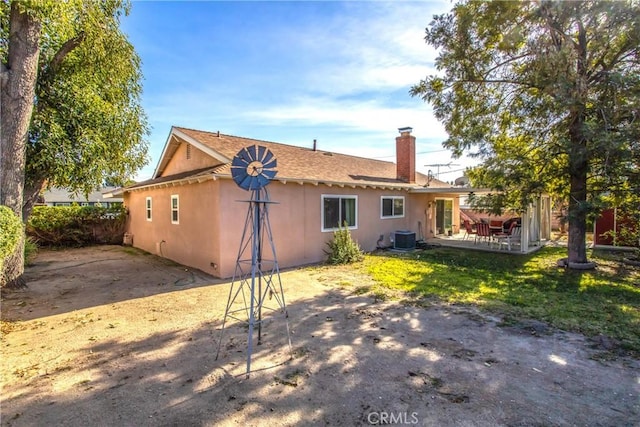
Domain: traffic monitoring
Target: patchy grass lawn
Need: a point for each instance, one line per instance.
(604, 301)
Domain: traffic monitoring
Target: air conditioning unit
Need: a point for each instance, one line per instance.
(404, 240)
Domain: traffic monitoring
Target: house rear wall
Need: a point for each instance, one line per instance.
(296, 221)
(212, 219)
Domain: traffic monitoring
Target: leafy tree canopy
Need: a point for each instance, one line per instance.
(87, 124)
(547, 95)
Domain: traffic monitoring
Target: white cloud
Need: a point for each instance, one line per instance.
(377, 46)
(367, 116)
(346, 75)
(356, 62)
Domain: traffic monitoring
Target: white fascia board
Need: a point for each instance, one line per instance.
(164, 153)
(118, 192)
(451, 190)
(183, 181)
(340, 184)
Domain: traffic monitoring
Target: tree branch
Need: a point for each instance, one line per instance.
(50, 69)
(618, 57)
(64, 50)
(515, 58)
(557, 34)
(499, 81)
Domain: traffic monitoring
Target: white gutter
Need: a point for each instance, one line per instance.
(449, 190)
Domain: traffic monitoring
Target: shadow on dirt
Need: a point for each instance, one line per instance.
(128, 272)
(353, 361)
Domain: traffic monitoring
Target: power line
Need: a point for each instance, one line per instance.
(452, 171)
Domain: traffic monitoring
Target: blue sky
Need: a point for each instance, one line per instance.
(290, 72)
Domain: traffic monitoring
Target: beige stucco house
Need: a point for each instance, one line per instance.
(190, 210)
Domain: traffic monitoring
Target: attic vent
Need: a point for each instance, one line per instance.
(188, 151)
(326, 153)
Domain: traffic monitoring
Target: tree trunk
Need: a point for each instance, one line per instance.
(18, 78)
(578, 168)
(577, 244)
(578, 158)
(32, 191)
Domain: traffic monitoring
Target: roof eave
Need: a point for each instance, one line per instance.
(300, 181)
(343, 184)
(115, 193)
(172, 183)
(451, 190)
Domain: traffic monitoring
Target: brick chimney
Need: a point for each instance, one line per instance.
(406, 156)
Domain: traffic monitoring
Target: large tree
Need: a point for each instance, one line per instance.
(547, 95)
(71, 113)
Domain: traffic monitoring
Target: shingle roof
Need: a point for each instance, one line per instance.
(305, 164)
(60, 195)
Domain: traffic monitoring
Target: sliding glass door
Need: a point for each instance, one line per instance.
(444, 216)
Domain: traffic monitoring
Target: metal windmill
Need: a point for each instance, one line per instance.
(257, 275)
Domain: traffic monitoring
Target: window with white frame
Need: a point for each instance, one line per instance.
(148, 207)
(338, 210)
(175, 209)
(392, 207)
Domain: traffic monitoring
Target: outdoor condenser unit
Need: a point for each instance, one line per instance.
(404, 240)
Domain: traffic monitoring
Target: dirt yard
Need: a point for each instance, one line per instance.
(108, 336)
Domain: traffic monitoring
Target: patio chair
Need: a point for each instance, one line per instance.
(468, 229)
(496, 226)
(512, 236)
(483, 232)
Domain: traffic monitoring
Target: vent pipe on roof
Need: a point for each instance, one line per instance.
(218, 134)
(314, 145)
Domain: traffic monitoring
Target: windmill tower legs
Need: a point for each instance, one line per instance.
(257, 275)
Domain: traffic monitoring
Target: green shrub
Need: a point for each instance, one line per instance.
(30, 250)
(343, 249)
(10, 232)
(76, 225)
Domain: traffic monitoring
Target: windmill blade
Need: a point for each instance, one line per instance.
(270, 165)
(262, 181)
(237, 174)
(239, 162)
(253, 152)
(246, 182)
(261, 153)
(244, 155)
(267, 158)
(256, 183)
(269, 173)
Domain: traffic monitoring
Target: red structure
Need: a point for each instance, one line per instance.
(612, 220)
